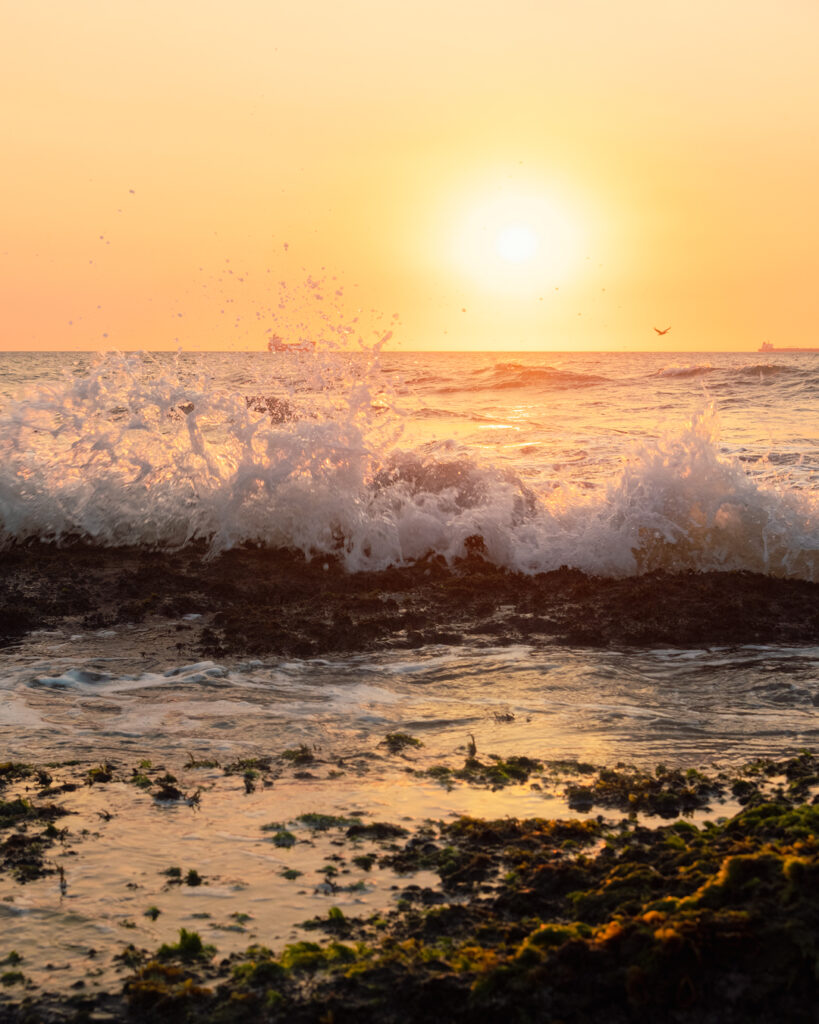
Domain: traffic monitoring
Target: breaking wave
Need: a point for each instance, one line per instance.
(138, 453)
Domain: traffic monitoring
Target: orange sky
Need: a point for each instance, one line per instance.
(662, 156)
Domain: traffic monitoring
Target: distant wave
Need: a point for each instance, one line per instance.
(433, 414)
(516, 375)
(748, 372)
(505, 376)
(695, 370)
(767, 370)
(129, 455)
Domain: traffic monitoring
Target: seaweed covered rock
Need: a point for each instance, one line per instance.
(584, 921)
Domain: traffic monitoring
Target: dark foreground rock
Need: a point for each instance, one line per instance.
(268, 602)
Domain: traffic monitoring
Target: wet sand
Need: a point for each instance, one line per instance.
(273, 602)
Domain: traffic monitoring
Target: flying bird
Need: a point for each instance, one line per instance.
(657, 329)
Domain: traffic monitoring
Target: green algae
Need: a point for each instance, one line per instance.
(335, 923)
(189, 948)
(310, 956)
(194, 763)
(23, 811)
(100, 774)
(12, 811)
(261, 972)
(396, 742)
(440, 773)
(165, 992)
(248, 764)
(15, 771)
(324, 822)
(570, 767)
(496, 773)
(169, 792)
(378, 831)
(283, 838)
(23, 851)
(140, 780)
(666, 792)
(300, 755)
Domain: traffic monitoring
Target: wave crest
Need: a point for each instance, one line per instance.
(134, 454)
(509, 375)
(694, 370)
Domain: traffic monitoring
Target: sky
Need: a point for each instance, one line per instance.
(498, 174)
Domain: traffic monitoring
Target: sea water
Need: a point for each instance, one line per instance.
(613, 463)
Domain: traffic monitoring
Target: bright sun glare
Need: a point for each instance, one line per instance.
(515, 242)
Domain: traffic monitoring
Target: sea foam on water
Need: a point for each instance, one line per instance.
(142, 452)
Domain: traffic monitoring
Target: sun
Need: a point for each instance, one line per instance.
(514, 241)
(517, 243)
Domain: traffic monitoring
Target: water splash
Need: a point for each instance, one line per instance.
(139, 451)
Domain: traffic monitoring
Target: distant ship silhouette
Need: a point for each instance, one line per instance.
(766, 346)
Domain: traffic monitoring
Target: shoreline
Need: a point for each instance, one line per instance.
(637, 895)
(396, 882)
(249, 602)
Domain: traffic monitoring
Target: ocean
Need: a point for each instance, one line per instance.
(614, 464)
(251, 598)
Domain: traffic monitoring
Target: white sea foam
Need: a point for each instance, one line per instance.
(74, 678)
(92, 681)
(201, 670)
(136, 452)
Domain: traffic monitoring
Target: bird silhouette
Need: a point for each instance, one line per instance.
(657, 329)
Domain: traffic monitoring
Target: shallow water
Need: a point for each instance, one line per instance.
(685, 707)
(614, 463)
(70, 929)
